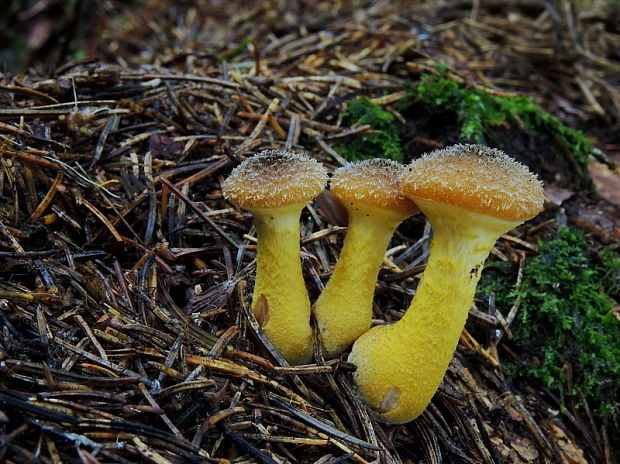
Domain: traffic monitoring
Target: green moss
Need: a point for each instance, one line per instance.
(477, 111)
(385, 143)
(611, 275)
(498, 279)
(565, 316)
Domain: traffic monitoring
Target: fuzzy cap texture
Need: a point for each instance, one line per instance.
(274, 178)
(373, 182)
(482, 179)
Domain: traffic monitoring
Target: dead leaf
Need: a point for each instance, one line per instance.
(525, 449)
(514, 414)
(557, 195)
(164, 147)
(607, 182)
(508, 454)
(570, 451)
(332, 208)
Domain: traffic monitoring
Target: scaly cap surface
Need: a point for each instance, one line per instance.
(274, 178)
(478, 178)
(374, 182)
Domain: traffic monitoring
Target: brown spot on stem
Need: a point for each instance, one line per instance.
(474, 271)
(261, 311)
(390, 401)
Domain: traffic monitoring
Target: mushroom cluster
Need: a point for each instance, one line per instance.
(471, 194)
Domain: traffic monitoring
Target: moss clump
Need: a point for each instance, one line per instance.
(563, 300)
(477, 110)
(385, 143)
(611, 274)
(498, 279)
(566, 317)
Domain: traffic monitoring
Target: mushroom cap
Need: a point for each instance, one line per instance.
(275, 178)
(478, 178)
(373, 182)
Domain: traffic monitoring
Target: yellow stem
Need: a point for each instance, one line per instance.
(280, 301)
(400, 366)
(344, 309)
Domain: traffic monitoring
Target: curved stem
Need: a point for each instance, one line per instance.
(344, 309)
(400, 366)
(280, 301)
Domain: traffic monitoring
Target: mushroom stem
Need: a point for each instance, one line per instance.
(280, 283)
(401, 365)
(370, 192)
(352, 284)
(462, 240)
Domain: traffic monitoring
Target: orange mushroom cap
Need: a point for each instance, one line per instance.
(478, 178)
(274, 178)
(373, 182)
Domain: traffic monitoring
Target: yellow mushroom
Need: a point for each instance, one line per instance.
(370, 192)
(471, 195)
(275, 186)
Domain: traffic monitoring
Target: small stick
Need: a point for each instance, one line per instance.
(199, 212)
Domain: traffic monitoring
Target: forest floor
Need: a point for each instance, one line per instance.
(125, 277)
